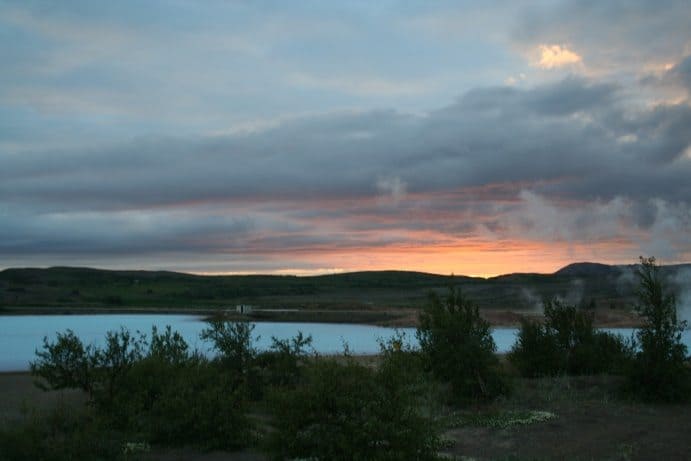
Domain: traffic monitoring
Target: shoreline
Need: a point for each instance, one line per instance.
(391, 317)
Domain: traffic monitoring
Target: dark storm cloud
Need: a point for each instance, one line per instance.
(481, 161)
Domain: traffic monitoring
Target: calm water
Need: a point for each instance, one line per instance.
(20, 336)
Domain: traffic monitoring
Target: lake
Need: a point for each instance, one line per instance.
(21, 335)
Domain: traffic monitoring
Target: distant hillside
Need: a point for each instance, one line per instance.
(589, 270)
(64, 287)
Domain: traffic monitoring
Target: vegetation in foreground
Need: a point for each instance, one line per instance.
(567, 343)
(153, 391)
(658, 371)
(457, 346)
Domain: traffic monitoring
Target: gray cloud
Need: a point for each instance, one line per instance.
(568, 160)
(678, 75)
(611, 35)
(682, 71)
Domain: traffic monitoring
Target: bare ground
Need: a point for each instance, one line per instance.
(591, 423)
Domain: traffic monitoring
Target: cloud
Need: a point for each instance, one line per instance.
(392, 187)
(676, 75)
(364, 86)
(232, 130)
(620, 36)
(543, 164)
(553, 56)
(682, 73)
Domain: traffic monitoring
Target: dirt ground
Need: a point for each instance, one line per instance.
(590, 423)
(19, 396)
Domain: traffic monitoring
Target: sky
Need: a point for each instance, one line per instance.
(305, 137)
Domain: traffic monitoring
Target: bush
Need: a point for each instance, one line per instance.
(658, 371)
(401, 367)
(169, 347)
(281, 365)
(112, 363)
(566, 343)
(344, 411)
(535, 352)
(458, 346)
(233, 343)
(201, 405)
(65, 363)
(157, 390)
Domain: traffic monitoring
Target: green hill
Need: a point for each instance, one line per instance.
(63, 287)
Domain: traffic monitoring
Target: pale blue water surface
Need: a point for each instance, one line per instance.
(21, 335)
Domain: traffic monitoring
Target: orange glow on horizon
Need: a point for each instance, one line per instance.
(475, 258)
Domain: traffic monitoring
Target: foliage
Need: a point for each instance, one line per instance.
(169, 346)
(346, 411)
(112, 363)
(658, 371)
(171, 396)
(233, 343)
(201, 404)
(281, 364)
(401, 366)
(535, 352)
(158, 389)
(65, 363)
(458, 346)
(566, 343)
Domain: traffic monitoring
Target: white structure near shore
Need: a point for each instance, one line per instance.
(243, 309)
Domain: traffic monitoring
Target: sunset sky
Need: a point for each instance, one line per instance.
(302, 137)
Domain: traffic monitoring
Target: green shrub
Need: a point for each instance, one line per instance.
(112, 363)
(566, 343)
(169, 346)
(344, 411)
(458, 347)
(157, 391)
(201, 405)
(233, 343)
(173, 397)
(281, 364)
(658, 371)
(65, 363)
(536, 352)
(401, 366)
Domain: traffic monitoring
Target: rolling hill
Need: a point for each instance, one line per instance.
(591, 284)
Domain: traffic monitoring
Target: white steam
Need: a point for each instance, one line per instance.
(682, 280)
